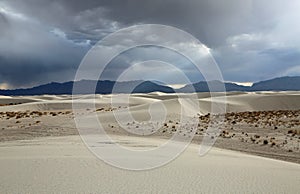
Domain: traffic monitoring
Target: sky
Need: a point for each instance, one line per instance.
(43, 41)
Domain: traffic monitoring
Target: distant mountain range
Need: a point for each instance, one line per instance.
(106, 87)
(90, 87)
(277, 84)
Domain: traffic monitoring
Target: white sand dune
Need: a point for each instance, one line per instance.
(236, 101)
(255, 101)
(64, 165)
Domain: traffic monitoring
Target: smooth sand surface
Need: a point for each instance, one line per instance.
(63, 164)
(236, 101)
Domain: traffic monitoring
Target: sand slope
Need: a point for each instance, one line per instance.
(63, 164)
(236, 101)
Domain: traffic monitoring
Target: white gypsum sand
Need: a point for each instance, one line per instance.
(33, 163)
(64, 165)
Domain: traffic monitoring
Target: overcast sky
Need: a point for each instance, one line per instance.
(45, 40)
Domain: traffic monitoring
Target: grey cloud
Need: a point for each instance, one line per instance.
(251, 39)
(30, 54)
(151, 53)
(210, 21)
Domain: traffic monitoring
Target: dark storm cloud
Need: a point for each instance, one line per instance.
(209, 20)
(137, 56)
(31, 54)
(250, 39)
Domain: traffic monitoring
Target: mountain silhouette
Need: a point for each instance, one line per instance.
(140, 86)
(90, 87)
